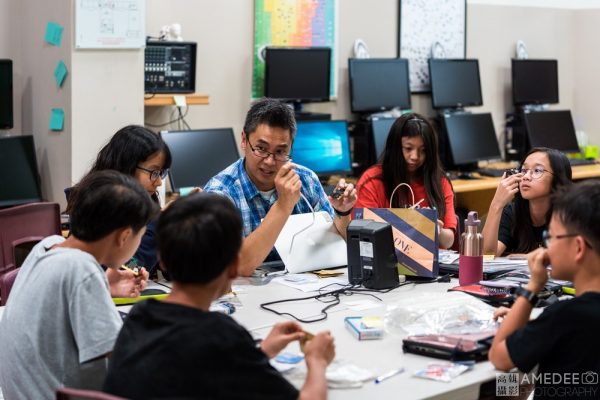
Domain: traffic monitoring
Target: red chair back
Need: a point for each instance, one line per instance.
(25, 224)
(6, 283)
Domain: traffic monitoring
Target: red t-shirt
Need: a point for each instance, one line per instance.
(371, 193)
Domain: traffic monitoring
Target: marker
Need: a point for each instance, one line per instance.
(393, 372)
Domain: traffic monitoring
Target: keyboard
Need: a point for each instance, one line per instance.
(581, 161)
(491, 172)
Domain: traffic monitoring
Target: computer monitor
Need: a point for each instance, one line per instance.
(454, 83)
(298, 74)
(534, 81)
(199, 154)
(19, 178)
(378, 84)
(380, 128)
(322, 146)
(553, 129)
(471, 138)
(6, 94)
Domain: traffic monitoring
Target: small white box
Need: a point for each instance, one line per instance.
(365, 331)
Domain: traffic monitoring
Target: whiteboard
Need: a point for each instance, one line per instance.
(110, 24)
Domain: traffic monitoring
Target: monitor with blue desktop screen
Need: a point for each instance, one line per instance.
(199, 154)
(378, 84)
(471, 138)
(19, 178)
(322, 146)
(553, 129)
(454, 83)
(380, 128)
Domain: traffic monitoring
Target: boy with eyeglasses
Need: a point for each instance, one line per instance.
(266, 186)
(562, 341)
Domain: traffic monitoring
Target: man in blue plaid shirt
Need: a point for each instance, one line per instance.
(265, 185)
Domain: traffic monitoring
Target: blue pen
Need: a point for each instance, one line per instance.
(393, 372)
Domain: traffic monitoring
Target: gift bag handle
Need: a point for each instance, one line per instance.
(414, 205)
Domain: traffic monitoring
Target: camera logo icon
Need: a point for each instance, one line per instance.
(589, 378)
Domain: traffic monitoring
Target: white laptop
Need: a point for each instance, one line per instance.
(310, 242)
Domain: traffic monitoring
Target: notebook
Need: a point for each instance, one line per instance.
(310, 242)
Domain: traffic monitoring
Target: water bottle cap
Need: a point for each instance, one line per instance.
(472, 219)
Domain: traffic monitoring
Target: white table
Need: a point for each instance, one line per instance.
(379, 356)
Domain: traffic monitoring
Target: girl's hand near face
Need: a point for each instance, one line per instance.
(507, 188)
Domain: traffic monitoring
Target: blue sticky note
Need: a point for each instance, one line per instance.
(60, 73)
(54, 33)
(57, 119)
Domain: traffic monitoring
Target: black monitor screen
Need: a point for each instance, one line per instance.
(19, 179)
(454, 83)
(381, 129)
(198, 155)
(552, 129)
(322, 146)
(378, 84)
(534, 81)
(6, 94)
(298, 74)
(471, 137)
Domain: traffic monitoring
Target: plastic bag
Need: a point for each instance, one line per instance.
(439, 313)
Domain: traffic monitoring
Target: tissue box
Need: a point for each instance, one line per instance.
(365, 328)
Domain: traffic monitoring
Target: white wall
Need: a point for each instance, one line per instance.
(586, 45)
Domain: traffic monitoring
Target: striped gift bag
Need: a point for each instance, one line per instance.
(415, 237)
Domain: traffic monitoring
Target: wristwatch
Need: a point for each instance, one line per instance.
(531, 297)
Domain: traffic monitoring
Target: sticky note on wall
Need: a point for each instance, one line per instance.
(54, 33)
(60, 73)
(57, 119)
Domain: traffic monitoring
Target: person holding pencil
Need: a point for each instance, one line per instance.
(60, 321)
(411, 156)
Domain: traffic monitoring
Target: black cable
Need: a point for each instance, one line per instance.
(347, 290)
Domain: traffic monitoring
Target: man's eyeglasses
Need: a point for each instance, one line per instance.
(536, 173)
(546, 238)
(155, 173)
(279, 155)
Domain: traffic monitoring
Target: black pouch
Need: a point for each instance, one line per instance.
(455, 347)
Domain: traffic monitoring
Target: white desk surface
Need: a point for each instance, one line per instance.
(378, 356)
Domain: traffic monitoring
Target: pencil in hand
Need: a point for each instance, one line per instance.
(134, 270)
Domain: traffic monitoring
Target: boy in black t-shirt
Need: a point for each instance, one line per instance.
(563, 340)
(177, 348)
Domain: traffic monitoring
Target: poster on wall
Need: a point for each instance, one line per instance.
(426, 27)
(110, 24)
(293, 23)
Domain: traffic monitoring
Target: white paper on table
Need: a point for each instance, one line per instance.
(335, 282)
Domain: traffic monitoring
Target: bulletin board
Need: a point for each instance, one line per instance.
(110, 24)
(297, 23)
(424, 24)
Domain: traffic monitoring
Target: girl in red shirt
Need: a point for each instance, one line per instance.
(411, 156)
